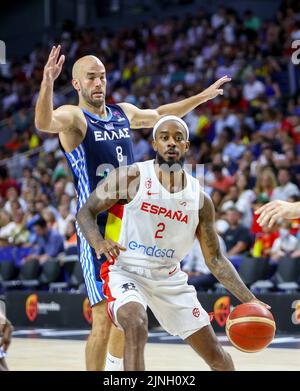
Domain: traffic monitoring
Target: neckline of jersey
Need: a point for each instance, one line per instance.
(163, 188)
(107, 119)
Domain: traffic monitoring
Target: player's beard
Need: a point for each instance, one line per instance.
(86, 96)
(170, 165)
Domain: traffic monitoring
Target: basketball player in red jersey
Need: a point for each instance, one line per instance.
(164, 210)
(91, 134)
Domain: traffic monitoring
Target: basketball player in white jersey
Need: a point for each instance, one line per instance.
(164, 210)
(91, 134)
(6, 330)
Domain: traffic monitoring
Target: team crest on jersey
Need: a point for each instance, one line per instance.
(148, 183)
(109, 126)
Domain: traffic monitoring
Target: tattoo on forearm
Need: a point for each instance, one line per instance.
(219, 265)
(88, 226)
(224, 271)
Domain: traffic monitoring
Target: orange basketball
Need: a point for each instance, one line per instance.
(250, 327)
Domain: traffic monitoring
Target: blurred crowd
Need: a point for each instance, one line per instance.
(248, 139)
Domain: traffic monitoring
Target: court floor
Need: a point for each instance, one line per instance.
(56, 350)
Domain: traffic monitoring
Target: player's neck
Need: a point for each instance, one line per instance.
(173, 181)
(100, 111)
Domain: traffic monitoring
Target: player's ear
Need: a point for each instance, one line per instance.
(154, 145)
(76, 84)
(187, 146)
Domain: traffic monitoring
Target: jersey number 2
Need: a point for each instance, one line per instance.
(158, 232)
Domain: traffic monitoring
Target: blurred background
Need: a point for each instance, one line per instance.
(155, 52)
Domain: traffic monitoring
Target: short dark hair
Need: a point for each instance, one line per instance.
(40, 222)
(217, 168)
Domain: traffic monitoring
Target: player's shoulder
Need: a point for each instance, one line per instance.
(69, 108)
(205, 200)
(127, 108)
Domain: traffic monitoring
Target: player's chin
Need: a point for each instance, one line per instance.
(174, 163)
(97, 102)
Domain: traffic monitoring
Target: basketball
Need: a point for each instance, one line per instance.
(250, 327)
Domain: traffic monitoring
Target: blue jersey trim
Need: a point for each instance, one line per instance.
(96, 117)
(77, 160)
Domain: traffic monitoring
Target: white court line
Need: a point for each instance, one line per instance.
(65, 333)
(33, 331)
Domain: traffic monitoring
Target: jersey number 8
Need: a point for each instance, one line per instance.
(119, 152)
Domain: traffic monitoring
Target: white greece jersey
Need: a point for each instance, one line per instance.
(158, 227)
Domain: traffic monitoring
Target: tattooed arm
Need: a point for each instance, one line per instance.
(219, 265)
(119, 186)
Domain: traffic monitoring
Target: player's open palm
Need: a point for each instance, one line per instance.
(54, 64)
(215, 89)
(109, 248)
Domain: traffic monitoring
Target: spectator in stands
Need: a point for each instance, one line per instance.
(7, 227)
(141, 148)
(50, 218)
(217, 198)
(265, 183)
(6, 182)
(70, 235)
(253, 88)
(63, 218)
(20, 233)
(285, 245)
(48, 243)
(237, 237)
(221, 182)
(264, 242)
(246, 197)
(286, 188)
(12, 195)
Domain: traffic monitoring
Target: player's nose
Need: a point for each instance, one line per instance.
(98, 82)
(171, 142)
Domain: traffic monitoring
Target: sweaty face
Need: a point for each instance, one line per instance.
(92, 83)
(171, 143)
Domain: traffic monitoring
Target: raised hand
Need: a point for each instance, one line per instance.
(53, 67)
(109, 248)
(214, 90)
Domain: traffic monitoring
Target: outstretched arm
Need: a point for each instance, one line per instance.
(119, 185)
(275, 210)
(147, 118)
(219, 265)
(64, 118)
